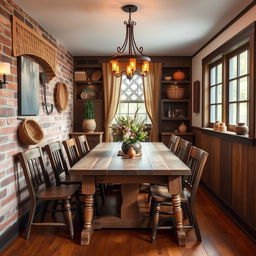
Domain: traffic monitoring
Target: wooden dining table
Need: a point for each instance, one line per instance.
(104, 164)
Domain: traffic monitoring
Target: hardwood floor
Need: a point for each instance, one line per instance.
(221, 236)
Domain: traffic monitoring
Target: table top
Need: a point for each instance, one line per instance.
(156, 159)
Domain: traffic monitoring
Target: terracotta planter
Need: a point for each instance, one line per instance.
(89, 125)
(241, 129)
(136, 146)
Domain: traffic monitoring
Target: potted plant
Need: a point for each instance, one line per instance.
(131, 131)
(89, 123)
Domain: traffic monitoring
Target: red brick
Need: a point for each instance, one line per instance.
(4, 21)
(6, 182)
(9, 221)
(7, 147)
(11, 86)
(3, 193)
(7, 112)
(7, 50)
(4, 93)
(5, 40)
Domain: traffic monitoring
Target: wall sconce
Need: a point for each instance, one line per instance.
(5, 69)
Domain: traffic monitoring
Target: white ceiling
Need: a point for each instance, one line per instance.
(164, 27)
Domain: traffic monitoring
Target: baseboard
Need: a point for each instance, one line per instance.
(14, 231)
(243, 224)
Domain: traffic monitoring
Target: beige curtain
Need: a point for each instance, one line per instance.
(152, 88)
(112, 86)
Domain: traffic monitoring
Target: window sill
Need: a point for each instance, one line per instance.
(232, 136)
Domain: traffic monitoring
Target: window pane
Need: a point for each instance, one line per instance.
(219, 113)
(232, 113)
(233, 90)
(243, 63)
(233, 67)
(213, 75)
(213, 95)
(132, 108)
(219, 73)
(219, 93)
(123, 108)
(243, 85)
(212, 114)
(242, 114)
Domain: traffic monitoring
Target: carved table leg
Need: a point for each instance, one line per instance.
(88, 218)
(177, 211)
(88, 190)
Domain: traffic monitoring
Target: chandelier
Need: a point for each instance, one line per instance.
(129, 59)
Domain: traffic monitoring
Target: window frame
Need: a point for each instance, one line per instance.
(245, 36)
(232, 54)
(215, 64)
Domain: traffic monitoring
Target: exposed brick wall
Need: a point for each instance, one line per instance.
(13, 192)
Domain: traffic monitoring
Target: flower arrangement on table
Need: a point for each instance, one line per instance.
(130, 131)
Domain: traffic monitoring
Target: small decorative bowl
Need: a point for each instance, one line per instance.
(167, 78)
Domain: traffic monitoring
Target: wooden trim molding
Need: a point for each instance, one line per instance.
(244, 11)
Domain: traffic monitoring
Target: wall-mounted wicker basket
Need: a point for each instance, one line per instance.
(30, 132)
(175, 92)
(61, 96)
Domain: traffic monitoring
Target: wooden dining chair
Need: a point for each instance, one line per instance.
(161, 196)
(71, 151)
(37, 177)
(59, 165)
(173, 143)
(82, 145)
(183, 150)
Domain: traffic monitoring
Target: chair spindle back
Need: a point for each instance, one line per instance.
(82, 145)
(183, 150)
(173, 143)
(72, 151)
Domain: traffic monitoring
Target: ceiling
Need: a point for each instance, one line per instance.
(164, 27)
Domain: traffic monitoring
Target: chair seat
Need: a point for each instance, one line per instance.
(71, 179)
(58, 192)
(161, 194)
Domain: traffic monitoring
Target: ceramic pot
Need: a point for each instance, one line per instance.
(241, 129)
(89, 125)
(216, 126)
(182, 128)
(222, 127)
(136, 146)
(178, 75)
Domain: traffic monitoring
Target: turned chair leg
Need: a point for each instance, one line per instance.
(68, 217)
(30, 220)
(155, 221)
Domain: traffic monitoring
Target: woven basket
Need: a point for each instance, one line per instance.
(61, 96)
(30, 132)
(175, 92)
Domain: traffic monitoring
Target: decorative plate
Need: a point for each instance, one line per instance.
(90, 92)
(96, 75)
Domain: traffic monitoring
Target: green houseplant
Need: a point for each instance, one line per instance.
(89, 123)
(131, 131)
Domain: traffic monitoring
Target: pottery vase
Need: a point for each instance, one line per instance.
(182, 128)
(136, 146)
(89, 125)
(241, 129)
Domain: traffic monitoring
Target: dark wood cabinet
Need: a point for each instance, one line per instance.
(89, 86)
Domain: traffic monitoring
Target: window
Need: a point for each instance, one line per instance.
(216, 93)
(132, 98)
(229, 88)
(238, 81)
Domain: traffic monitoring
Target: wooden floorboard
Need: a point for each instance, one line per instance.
(221, 236)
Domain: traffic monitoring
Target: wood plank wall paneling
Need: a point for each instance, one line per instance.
(230, 173)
